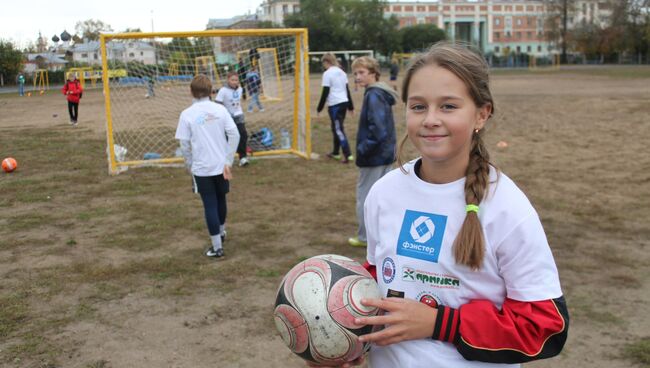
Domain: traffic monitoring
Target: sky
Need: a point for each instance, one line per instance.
(21, 20)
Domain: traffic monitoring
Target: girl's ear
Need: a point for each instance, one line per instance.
(482, 115)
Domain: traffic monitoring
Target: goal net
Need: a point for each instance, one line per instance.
(146, 79)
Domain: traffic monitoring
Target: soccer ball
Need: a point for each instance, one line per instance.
(316, 305)
(9, 164)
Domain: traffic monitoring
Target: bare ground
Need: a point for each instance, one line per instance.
(103, 271)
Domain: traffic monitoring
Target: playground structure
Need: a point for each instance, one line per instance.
(41, 81)
(402, 58)
(83, 74)
(534, 65)
(206, 65)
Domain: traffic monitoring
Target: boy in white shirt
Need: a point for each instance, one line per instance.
(337, 94)
(208, 138)
(230, 96)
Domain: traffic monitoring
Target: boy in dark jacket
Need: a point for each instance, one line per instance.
(376, 135)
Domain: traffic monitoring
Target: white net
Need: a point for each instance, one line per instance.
(148, 87)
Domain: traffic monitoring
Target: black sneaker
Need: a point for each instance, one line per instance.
(214, 253)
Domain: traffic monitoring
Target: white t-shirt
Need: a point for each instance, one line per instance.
(206, 125)
(411, 226)
(231, 99)
(336, 79)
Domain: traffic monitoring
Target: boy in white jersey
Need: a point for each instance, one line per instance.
(337, 95)
(456, 247)
(230, 96)
(208, 138)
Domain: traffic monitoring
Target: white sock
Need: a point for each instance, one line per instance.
(216, 241)
(222, 229)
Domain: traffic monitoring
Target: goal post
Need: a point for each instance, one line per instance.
(143, 103)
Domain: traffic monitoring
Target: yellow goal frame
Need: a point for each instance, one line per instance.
(42, 80)
(301, 145)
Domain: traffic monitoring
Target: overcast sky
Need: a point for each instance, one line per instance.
(20, 20)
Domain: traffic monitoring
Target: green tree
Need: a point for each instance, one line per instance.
(11, 61)
(346, 25)
(420, 37)
(368, 28)
(91, 28)
(558, 13)
(325, 20)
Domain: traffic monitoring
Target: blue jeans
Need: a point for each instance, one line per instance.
(21, 89)
(255, 100)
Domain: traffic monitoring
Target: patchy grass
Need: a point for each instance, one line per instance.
(77, 246)
(639, 352)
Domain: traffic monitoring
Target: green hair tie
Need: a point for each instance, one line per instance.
(471, 208)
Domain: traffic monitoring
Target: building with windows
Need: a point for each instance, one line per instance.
(495, 26)
(90, 52)
(276, 10)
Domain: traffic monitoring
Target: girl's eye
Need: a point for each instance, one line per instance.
(448, 107)
(418, 108)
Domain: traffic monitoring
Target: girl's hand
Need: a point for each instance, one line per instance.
(353, 363)
(405, 319)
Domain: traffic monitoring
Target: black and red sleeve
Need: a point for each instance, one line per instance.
(372, 269)
(519, 332)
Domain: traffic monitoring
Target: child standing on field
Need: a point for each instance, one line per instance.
(254, 85)
(337, 95)
(208, 138)
(456, 247)
(230, 96)
(394, 71)
(20, 80)
(375, 136)
(72, 91)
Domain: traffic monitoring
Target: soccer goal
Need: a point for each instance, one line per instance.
(143, 104)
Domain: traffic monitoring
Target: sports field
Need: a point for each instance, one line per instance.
(100, 271)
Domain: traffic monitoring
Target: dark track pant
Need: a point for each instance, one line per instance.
(337, 116)
(243, 136)
(213, 191)
(73, 110)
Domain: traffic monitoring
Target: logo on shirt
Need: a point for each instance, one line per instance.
(429, 299)
(388, 270)
(205, 119)
(410, 274)
(421, 235)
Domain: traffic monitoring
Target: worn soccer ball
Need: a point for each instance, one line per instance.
(9, 164)
(316, 305)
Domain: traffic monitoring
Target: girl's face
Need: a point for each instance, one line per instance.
(363, 76)
(233, 81)
(441, 118)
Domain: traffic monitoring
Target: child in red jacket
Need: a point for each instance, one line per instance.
(72, 90)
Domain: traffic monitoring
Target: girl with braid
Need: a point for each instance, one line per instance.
(456, 247)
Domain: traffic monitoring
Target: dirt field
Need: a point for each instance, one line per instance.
(101, 271)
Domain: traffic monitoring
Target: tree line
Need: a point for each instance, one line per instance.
(622, 30)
